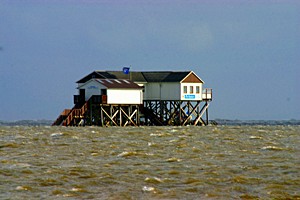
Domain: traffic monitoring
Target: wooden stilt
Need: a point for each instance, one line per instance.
(101, 116)
(206, 110)
(176, 112)
(156, 112)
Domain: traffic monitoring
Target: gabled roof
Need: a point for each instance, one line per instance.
(142, 77)
(192, 78)
(104, 75)
(115, 83)
(94, 74)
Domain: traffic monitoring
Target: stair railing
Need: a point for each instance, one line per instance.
(76, 113)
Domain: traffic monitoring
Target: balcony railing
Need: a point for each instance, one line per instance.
(207, 94)
(97, 99)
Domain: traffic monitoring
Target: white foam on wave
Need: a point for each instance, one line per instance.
(255, 137)
(271, 148)
(56, 134)
(148, 189)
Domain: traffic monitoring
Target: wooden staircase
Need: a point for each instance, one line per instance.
(71, 117)
(63, 115)
(75, 115)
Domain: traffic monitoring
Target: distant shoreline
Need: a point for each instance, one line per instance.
(42, 122)
(257, 122)
(228, 122)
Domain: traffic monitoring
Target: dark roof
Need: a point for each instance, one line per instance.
(94, 74)
(165, 76)
(146, 76)
(118, 83)
(134, 76)
(104, 75)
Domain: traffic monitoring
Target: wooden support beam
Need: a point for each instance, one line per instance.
(129, 117)
(174, 112)
(206, 114)
(204, 108)
(120, 116)
(192, 111)
(111, 118)
(172, 116)
(101, 116)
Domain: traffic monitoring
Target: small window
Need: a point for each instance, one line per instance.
(191, 89)
(184, 89)
(197, 89)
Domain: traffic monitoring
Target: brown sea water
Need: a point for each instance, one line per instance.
(215, 162)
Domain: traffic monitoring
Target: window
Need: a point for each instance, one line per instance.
(184, 89)
(197, 89)
(191, 89)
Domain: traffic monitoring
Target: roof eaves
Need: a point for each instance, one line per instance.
(90, 74)
(92, 79)
(191, 72)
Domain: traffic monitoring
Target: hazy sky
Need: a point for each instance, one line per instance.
(247, 51)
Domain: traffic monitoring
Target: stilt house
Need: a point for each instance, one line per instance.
(150, 98)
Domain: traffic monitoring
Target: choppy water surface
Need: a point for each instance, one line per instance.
(222, 162)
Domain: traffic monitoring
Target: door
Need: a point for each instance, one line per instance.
(82, 95)
(103, 96)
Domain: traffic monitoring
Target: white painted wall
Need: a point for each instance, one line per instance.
(124, 96)
(91, 88)
(152, 91)
(162, 91)
(114, 96)
(172, 91)
(80, 84)
(191, 96)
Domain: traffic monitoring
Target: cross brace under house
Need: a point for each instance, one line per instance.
(175, 113)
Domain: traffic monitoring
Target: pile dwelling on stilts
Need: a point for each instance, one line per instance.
(158, 98)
